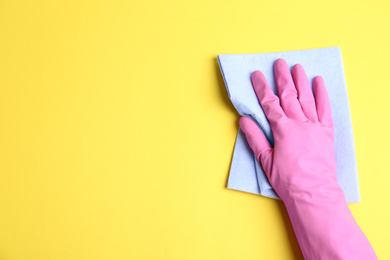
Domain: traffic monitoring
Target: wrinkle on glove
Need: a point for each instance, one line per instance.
(246, 173)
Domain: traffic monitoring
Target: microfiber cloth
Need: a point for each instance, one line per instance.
(246, 173)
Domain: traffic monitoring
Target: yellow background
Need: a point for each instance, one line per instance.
(116, 133)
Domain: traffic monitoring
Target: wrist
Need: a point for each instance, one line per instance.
(318, 188)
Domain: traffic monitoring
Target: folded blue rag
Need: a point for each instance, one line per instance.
(246, 173)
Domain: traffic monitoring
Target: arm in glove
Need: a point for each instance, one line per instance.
(301, 166)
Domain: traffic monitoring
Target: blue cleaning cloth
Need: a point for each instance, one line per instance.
(246, 173)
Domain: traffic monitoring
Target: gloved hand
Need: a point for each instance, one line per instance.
(301, 166)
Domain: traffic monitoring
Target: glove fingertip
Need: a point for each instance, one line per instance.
(244, 122)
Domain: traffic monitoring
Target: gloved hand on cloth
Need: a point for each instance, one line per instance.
(301, 165)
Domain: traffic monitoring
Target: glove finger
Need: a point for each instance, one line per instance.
(267, 98)
(287, 91)
(324, 111)
(305, 94)
(257, 141)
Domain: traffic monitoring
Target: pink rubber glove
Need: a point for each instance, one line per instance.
(301, 166)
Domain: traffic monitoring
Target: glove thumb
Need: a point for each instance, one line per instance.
(258, 142)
